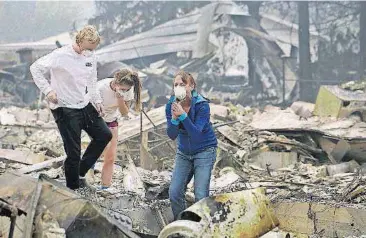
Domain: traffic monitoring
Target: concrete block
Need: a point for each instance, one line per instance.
(276, 159)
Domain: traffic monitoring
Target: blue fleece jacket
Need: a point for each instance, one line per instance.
(194, 130)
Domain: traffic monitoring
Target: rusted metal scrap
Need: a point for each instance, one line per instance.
(11, 212)
(240, 214)
(77, 216)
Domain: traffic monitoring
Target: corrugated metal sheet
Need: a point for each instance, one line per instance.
(31, 45)
(177, 30)
(184, 20)
(174, 29)
(147, 47)
(48, 43)
(160, 32)
(145, 51)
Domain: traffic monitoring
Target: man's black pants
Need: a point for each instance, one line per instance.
(70, 122)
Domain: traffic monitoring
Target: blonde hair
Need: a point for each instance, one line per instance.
(88, 33)
(130, 78)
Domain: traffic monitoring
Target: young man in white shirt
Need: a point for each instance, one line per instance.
(71, 90)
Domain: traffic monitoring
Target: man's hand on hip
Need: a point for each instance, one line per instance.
(100, 109)
(52, 97)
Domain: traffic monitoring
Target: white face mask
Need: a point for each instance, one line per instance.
(180, 93)
(123, 93)
(87, 53)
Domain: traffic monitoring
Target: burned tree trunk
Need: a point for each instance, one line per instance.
(305, 73)
(362, 39)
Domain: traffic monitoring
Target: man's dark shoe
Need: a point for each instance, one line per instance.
(83, 183)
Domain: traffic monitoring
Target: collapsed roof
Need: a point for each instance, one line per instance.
(201, 33)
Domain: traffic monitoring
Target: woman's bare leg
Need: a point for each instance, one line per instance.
(110, 154)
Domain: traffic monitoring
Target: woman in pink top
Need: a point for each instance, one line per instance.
(116, 94)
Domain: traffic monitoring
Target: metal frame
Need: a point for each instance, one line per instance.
(11, 212)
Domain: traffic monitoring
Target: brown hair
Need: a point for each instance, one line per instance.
(186, 78)
(130, 78)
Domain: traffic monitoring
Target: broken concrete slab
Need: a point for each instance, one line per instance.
(330, 220)
(341, 168)
(354, 166)
(230, 134)
(338, 169)
(46, 140)
(277, 119)
(226, 179)
(6, 118)
(22, 156)
(24, 116)
(337, 125)
(226, 147)
(275, 160)
(219, 112)
(327, 146)
(17, 116)
(340, 150)
(288, 120)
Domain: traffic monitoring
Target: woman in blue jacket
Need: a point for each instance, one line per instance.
(188, 119)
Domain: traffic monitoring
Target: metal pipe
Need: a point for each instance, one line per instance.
(12, 226)
(148, 118)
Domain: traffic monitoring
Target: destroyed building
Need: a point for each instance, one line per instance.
(16, 85)
(306, 164)
(280, 172)
(212, 43)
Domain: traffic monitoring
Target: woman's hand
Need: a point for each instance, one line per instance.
(173, 114)
(122, 105)
(118, 95)
(177, 110)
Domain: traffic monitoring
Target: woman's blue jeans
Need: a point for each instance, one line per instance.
(198, 165)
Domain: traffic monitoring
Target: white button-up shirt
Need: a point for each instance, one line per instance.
(70, 74)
